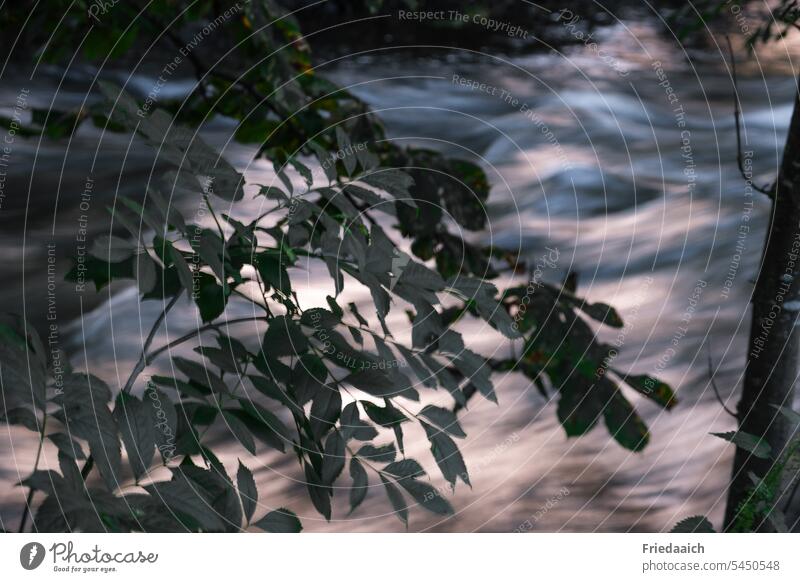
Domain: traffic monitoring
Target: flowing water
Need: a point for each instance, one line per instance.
(622, 169)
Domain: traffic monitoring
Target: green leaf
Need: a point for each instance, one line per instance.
(335, 309)
(790, 415)
(182, 268)
(270, 389)
(67, 446)
(395, 182)
(360, 483)
(447, 455)
(345, 147)
(273, 272)
(405, 468)
(280, 521)
(211, 298)
(427, 496)
(381, 454)
(375, 382)
(579, 408)
(240, 431)
(443, 418)
(264, 425)
(22, 380)
(758, 447)
(319, 493)
(201, 375)
(185, 497)
(112, 248)
(387, 417)
(624, 423)
(325, 410)
(353, 427)
(654, 389)
(396, 499)
(84, 412)
(284, 338)
(333, 459)
(136, 420)
(248, 492)
(696, 524)
(165, 421)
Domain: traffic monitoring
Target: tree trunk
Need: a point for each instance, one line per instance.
(774, 348)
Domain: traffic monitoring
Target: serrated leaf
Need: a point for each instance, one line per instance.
(447, 456)
(388, 416)
(183, 496)
(84, 410)
(240, 431)
(444, 419)
(652, 388)
(248, 492)
(696, 524)
(67, 446)
(360, 482)
(405, 468)
(333, 459)
(136, 421)
(427, 496)
(396, 499)
(758, 447)
(380, 454)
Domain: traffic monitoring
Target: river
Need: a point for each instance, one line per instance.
(621, 163)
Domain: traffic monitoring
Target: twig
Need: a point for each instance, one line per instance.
(140, 365)
(198, 331)
(714, 386)
(769, 190)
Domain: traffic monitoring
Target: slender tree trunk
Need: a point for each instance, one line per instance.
(774, 349)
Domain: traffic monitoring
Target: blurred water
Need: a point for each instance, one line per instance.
(586, 161)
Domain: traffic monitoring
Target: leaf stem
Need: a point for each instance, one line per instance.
(26, 511)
